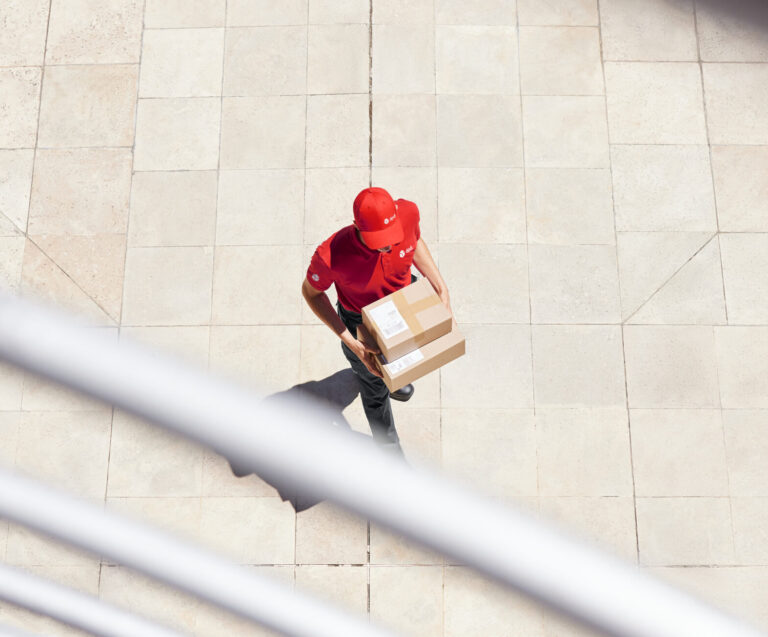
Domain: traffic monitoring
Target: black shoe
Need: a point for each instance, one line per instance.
(402, 394)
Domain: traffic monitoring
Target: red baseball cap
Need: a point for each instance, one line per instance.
(376, 218)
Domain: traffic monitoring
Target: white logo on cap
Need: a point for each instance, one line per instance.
(386, 221)
(315, 277)
(402, 253)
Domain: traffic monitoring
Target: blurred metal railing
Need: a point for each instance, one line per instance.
(282, 442)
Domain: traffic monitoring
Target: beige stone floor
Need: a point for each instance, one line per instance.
(593, 178)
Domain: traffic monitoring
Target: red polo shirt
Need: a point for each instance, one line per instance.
(362, 275)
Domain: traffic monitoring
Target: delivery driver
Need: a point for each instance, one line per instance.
(366, 261)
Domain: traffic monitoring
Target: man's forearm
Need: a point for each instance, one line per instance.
(424, 262)
(321, 306)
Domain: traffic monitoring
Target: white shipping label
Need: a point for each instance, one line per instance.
(397, 366)
(388, 319)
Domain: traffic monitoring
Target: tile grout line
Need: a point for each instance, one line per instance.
(618, 280)
(722, 277)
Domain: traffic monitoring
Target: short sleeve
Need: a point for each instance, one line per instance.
(319, 273)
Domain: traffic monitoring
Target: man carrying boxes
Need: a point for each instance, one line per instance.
(369, 262)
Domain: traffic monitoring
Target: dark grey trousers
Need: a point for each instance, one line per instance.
(373, 391)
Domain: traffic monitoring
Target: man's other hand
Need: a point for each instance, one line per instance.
(367, 354)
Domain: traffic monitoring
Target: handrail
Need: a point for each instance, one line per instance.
(282, 442)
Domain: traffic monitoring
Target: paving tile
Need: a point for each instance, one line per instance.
(493, 450)
(427, 397)
(15, 182)
(265, 357)
(82, 578)
(188, 343)
(578, 366)
(746, 445)
(80, 191)
(692, 296)
(479, 130)
(750, 517)
(565, 132)
(329, 193)
(11, 261)
(321, 353)
(678, 452)
(249, 530)
(420, 428)
(268, 60)
(168, 286)
(326, 534)
(564, 12)
(684, 531)
(178, 516)
(734, 33)
(648, 260)
(403, 59)
(163, 604)
(390, 548)
(181, 62)
(10, 423)
(44, 280)
(739, 589)
(404, 130)
(574, 284)
(745, 272)
(569, 461)
(173, 208)
(260, 207)
(263, 132)
(336, 131)
(608, 522)
(569, 206)
(742, 355)
(476, 607)
(69, 449)
(477, 60)
(741, 187)
(403, 12)
(27, 548)
(482, 12)
(271, 299)
(408, 599)
(180, 133)
(88, 105)
(734, 95)
(339, 11)
(417, 184)
(466, 383)
(345, 586)
(338, 58)
(22, 41)
(493, 197)
(94, 263)
(90, 32)
(20, 88)
(170, 14)
(254, 13)
(147, 461)
(655, 103)
(560, 61)
(671, 366)
(666, 188)
(475, 296)
(653, 31)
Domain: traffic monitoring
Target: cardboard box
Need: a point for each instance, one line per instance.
(406, 320)
(421, 361)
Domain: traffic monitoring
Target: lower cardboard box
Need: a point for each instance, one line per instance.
(401, 371)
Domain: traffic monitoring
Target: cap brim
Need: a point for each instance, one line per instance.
(392, 235)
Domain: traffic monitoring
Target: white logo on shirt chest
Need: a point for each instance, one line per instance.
(406, 251)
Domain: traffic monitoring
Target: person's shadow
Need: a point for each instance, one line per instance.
(335, 393)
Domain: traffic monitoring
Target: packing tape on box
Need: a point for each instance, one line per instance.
(409, 310)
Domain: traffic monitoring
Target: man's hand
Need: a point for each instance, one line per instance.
(367, 354)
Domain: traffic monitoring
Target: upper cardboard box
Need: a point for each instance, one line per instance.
(407, 319)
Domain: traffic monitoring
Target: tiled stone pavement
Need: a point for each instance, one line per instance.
(593, 178)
